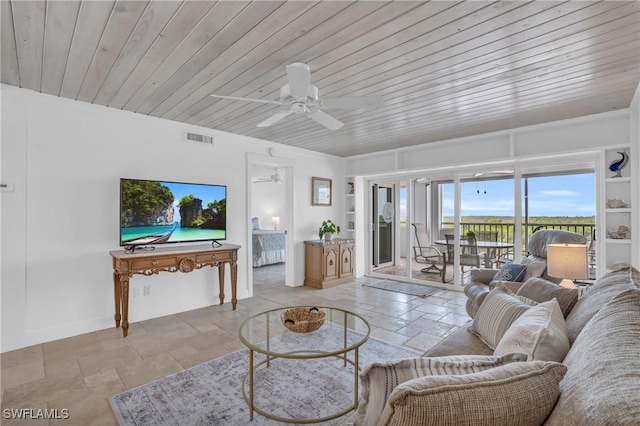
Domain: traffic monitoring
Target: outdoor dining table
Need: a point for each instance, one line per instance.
(498, 245)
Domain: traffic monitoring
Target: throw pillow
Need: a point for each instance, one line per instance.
(510, 271)
(520, 393)
(256, 223)
(381, 378)
(498, 311)
(540, 333)
(541, 290)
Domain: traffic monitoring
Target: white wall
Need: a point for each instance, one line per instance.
(634, 129)
(268, 201)
(65, 159)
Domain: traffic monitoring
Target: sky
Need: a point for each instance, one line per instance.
(568, 195)
(207, 193)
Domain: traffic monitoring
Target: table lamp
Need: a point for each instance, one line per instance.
(276, 221)
(567, 261)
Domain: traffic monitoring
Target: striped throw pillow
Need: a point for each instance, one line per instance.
(498, 311)
(381, 378)
(519, 393)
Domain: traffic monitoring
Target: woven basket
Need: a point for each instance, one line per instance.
(302, 320)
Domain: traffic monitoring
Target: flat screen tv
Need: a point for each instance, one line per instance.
(160, 212)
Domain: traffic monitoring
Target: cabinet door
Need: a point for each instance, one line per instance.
(330, 262)
(346, 260)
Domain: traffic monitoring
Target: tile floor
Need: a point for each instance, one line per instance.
(80, 373)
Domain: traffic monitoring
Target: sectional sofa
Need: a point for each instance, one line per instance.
(579, 366)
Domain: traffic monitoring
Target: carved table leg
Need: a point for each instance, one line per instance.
(221, 282)
(116, 288)
(234, 284)
(124, 294)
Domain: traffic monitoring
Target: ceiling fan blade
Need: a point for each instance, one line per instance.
(352, 102)
(274, 118)
(299, 76)
(326, 120)
(264, 101)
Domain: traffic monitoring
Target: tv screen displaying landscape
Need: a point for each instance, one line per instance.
(160, 212)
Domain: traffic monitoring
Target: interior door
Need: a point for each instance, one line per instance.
(383, 216)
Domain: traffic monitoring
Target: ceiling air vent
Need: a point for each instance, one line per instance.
(197, 137)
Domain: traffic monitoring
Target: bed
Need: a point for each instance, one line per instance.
(268, 247)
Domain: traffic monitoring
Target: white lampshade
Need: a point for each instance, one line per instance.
(275, 220)
(567, 261)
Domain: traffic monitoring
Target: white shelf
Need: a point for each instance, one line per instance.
(618, 180)
(615, 188)
(618, 241)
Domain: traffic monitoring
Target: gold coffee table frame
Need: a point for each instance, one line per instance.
(259, 332)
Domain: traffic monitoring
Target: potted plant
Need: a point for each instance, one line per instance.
(471, 234)
(327, 229)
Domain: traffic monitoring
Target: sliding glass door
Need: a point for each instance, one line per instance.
(383, 219)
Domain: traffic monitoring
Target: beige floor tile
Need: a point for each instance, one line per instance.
(389, 336)
(96, 363)
(90, 408)
(144, 371)
(21, 356)
(22, 373)
(80, 373)
(423, 341)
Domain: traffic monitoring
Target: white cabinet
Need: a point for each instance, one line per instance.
(617, 209)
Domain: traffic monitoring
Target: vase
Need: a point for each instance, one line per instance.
(328, 236)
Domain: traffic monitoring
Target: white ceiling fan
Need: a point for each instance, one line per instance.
(275, 178)
(299, 96)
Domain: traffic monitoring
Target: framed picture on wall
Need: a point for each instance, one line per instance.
(320, 191)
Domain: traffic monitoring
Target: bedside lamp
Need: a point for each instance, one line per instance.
(275, 220)
(568, 261)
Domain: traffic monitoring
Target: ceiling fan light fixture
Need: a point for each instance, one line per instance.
(301, 97)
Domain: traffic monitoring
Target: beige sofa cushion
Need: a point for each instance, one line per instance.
(597, 296)
(381, 378)
(541, 290)
(520, 393)
(540, 334)
(498, 311)
(602, 385)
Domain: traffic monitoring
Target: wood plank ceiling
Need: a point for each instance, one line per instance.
(444, 69)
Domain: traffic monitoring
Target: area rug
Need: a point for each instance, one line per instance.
(211, 393)
(402, 287)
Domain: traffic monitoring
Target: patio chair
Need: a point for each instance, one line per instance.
(469, 255)
(493, 254)
(424, 252)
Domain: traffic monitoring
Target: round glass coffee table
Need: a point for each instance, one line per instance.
(342, 332)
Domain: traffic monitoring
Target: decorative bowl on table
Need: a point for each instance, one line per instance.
(302, 319)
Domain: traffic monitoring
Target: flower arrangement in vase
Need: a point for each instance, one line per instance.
(327, 230)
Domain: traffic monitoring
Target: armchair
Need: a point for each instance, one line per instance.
(481, 279)
(469, 255)
(424, 252)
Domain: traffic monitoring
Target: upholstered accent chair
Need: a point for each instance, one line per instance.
(482, 279)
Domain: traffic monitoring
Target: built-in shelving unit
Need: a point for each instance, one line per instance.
(617, 209)
(350, 207)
